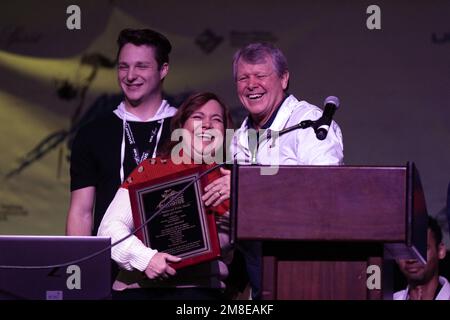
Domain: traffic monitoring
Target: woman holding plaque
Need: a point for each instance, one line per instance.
(148, 273)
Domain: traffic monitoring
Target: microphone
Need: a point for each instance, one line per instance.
(322, 125)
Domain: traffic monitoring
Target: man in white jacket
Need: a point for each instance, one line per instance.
(261, 74)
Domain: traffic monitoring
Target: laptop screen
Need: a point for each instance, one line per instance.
(88, 279)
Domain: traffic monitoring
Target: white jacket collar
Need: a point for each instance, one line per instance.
(286, 108)
(284, 113)
(278, 124)
(164, 111)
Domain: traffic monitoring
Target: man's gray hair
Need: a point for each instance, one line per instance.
(257, 53)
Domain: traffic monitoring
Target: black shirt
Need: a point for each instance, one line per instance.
(95, 158)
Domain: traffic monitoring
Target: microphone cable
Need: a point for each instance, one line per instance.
(90, 256)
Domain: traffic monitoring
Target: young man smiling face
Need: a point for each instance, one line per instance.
(139, 75)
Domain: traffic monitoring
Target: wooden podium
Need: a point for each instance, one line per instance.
(323, 226)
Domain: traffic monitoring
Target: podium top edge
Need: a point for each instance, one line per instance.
(403, 167)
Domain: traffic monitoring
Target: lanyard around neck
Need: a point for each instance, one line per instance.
(137, 156)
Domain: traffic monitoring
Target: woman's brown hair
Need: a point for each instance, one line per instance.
(187, 108)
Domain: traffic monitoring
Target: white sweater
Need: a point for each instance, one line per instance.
(134, 256)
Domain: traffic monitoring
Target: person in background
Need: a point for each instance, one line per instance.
(424, 282)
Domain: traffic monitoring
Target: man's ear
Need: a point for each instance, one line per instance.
(285, 80)
(164, 71)
(442, 251)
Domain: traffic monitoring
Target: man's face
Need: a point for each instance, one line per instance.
(418, 273)
(138, 73)
(259, 88)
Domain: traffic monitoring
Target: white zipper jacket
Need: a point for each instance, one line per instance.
(297, 147)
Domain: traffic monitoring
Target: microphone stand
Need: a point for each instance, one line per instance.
(302, 125)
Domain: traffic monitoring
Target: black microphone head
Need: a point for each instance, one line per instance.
(331, 103)
(323, 124)
(332, 100)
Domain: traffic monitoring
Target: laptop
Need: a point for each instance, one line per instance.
(85, 280)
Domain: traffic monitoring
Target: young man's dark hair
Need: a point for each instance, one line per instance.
(147, 37)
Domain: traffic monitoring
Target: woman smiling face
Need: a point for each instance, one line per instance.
(206, 128)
